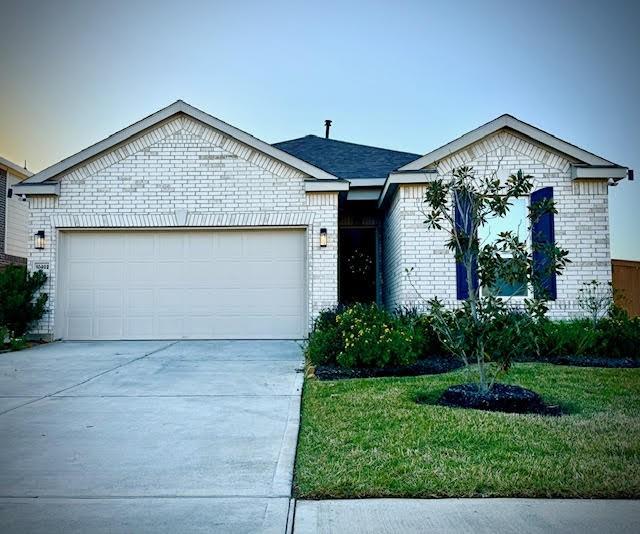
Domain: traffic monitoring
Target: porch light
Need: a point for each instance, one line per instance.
(323, 237)
(38, 240)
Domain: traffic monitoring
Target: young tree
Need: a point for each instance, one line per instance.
(462, 204)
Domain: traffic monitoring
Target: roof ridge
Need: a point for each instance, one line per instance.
(348, 143)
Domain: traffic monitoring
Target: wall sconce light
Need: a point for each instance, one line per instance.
(323, 237)
(38, 240)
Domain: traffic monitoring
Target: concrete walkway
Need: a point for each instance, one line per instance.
(458, 516)
(149, 436)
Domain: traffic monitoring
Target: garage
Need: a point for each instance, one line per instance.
(173, 284)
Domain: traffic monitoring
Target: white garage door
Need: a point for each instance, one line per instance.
(181, 284)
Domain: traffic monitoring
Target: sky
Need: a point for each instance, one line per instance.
(408, 75)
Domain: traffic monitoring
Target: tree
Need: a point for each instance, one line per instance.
(462, 204)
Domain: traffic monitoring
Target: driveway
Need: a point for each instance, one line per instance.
(154, 436)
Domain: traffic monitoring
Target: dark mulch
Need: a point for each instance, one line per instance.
(586, 361)
(501, 398)
(428, 366)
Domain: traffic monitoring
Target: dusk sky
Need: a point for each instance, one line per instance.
(405, 75)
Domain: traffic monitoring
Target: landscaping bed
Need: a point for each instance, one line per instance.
(591, 361)
(500, 398)
(426, 366)
(369, 438)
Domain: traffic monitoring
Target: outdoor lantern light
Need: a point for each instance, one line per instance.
(38, 240)
(323, 237)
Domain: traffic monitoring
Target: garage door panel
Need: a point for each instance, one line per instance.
(81, 272)
(108, 299)
(140, 246)
(138, 327)
(108, 272)
(181, 284)
(80, 302)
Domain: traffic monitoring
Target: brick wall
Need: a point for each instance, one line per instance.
(581, 225)
(183, 174)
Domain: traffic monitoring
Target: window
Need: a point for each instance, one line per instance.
(515, 221)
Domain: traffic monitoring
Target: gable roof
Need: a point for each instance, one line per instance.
(510, 122)
(176, 108)
(346, 160)
(22, 171)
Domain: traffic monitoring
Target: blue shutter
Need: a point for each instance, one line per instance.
(543, 233)
(462, 288)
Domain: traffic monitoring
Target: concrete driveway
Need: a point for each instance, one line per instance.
(137, 436)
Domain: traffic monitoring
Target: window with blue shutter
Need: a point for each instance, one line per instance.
(543, 234)
(464, 227)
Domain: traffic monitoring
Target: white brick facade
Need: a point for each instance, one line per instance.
(183, 173)
(581, 226)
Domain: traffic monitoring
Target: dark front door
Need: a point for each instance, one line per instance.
(357, 265)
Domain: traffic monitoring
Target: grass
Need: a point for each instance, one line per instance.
(368, 438)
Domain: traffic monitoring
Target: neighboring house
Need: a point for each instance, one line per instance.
(14, 215)
(183, 226)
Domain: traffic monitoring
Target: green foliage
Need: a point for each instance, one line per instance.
(614, 336)
(618, 335)
(373, 337)
(365, 335)
(476, 332)
(576, 337)
(325, 341)
(18, 343)
(19, 306)
(425, 338)
(495, 336)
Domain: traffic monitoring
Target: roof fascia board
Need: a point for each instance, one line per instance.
(33, 189)
(14, 167)
(366, 182)
(397, 178)
(580, 172)
(163, 114)
(318, 186)
(505, 121)
(369, 193)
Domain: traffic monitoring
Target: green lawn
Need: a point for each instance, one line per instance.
(368, 438)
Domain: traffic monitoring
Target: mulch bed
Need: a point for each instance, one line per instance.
(501, 398)
(587, 361)
(428, 366)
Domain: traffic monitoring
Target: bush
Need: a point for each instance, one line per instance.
(500, 334)
(618, 335)
(19, 308)
(363, 335)
(325, 341)
(373, 337)
(425, 339)
(575, 337)
(615, 336)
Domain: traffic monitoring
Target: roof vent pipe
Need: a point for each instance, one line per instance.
(327, 126)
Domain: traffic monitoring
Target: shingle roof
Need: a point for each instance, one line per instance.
(346, 160)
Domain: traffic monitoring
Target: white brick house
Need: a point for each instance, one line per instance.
(184, 226)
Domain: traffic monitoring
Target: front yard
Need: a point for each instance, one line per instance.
(369, 438)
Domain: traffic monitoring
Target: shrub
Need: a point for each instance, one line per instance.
(575, 337)
(425, 338)
(19, 307)
(615, 336)
(373, 337)
(618, 335)
(499, 333)
(325, 341)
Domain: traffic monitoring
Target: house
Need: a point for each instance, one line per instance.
(14, 215)
(183, 226)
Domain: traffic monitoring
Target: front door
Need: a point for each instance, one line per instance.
(357, 265)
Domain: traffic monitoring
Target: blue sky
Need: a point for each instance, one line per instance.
(404, 75)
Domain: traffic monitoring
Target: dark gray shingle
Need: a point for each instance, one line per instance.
(346, 160)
